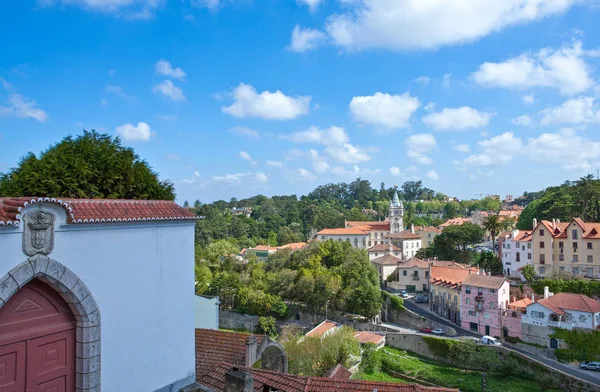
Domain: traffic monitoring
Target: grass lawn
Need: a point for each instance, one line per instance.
(379, 376)
(446, 376)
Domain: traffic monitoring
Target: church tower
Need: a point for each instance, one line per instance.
(396, 213)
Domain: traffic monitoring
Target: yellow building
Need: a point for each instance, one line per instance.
(427, 234)
(566, 248)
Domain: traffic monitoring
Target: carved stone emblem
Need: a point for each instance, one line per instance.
(38, 233)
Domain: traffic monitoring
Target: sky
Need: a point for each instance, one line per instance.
(232, 98)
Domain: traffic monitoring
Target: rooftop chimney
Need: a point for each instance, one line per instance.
(412, 228)
(391, 248)
(532, 297)
(547, 293)
(534, 222)
(251, 350)
(554, 224)
(237, 380)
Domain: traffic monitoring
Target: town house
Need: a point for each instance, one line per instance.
(516, 252)
(482, 299)
(446, 280)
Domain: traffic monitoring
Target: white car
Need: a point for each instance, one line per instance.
(438, 331)
(490, 340)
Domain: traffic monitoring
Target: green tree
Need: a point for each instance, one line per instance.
(489, 262)
(528, 272)
(197, 203)
(186, 204)
(493, 225)
(203, 277)
(91, 165)
(451, 210)
(370, 362)
(267, 326)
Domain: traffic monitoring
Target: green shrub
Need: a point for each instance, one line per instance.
(370, 361)
(582, 345)
(267, 325)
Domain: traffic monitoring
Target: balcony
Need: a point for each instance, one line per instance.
(415, 277)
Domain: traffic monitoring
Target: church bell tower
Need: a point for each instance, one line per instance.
(396, 213)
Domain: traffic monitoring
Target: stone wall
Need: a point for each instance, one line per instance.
(408, 319)
(238, 321)
(537, 334)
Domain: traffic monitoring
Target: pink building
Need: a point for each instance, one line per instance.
(482, 300)
(511, 318)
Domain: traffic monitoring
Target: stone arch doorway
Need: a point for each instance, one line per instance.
(37, 346)
(70, 297)
(553, 343)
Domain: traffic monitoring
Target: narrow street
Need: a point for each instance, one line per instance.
(593, 377)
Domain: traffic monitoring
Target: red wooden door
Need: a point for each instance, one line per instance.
(37, 342)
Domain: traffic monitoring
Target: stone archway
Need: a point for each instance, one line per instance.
(82, 304)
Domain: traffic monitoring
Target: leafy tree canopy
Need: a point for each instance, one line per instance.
(91, 165)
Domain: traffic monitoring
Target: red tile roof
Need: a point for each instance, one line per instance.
(520, 304)
(414, 262)
(383, 248)
(572, 301)
(387, 260)
(454, 222)
(370, 225)
(344, 231)
(450, 276)
(338, 372)
(428, 229)
(293, 246)
(486, 281)
(293, 383)
(98, 210)
(369, 337)
(322, 328)
(403, 235)
(523, 236)
(214, 347)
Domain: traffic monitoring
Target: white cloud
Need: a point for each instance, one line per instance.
(329, 136)
(169, 117)
(419, 158)
(462, 147)
(195, 177)
(409, 24)
(312, 4)
(210, 4)
(347, 153)
(430, 107)
(236, 178)
(168, 89)
(395, 171)
(496, 151)
(431, 174)
(305, 39)
(306, 174)
(424, 80)
(139, 132)
(563, 69)
(567, 148)
(385, 110)
(117, 90)
(524, 120)
(458, 119)
(20, 107)
(131, 9)
(421, 142)
(274, 163)
(245, 156)
(266, 105)
(446, 80)
(244, 131)
(5, 84)
(581, 110)
(163, 67)
(529, 99)
(103, 102)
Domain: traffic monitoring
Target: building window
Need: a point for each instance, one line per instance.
(427, 274)
(574, 245)
(376, 254)
(561, 244)
(575, 271)
(369, 244)
(529, 245)
(542, 244)
(582, 318)
(404, 273)
(472, 313)
(323, 237)
(518, 257)
(528, 256)
(541, 232)
(444, 295)
(539, 315)
(468, 290)
(590, 272)
(574, 234)
(589, 245)
(575, 258)
(542, 258)
(375, 235)
(590, 259)
(561, 269)
(561, 257)
(492, 291)
(486, 316)
(468, 301)
(542, 270)
(455, 299)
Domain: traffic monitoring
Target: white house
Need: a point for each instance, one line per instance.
(382, 250)
(516, 252)
(357, 237)
(561, 310)
(96, 294)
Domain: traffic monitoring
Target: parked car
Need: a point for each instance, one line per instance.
(438, 331)
(425, 330)
(490, 340)
(403, 294)
(590, 366)
(422, 298)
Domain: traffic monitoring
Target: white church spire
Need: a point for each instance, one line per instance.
(396, 213)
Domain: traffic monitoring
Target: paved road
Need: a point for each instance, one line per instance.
(582, 374)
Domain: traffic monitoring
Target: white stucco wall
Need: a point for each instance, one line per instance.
(142, 278)
(206, 312)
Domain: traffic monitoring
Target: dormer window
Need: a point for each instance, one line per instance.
(542, 232)
(574, 234)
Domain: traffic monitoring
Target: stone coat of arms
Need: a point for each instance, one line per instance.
(38, 233)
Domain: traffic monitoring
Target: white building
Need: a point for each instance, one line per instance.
(384, 249)
(516, 252)
(357, 237)
(561, 310)
(99, 291)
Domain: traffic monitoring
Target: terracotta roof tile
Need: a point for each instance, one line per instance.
(572, 301)
(520, 304)
(98, 210)
(403, 235)
(293, 246)
(293, 383)
(450, 275)
(486, 281)
(387, 260)
(344, 231)
(414, 262)
(523, 236)
(383, 248)
(338, 372)
(370, 225)
(322, 328)
(428, 229)
(454, 222)
(214, 347)
(369, 337)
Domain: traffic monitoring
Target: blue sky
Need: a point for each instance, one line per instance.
(230, 98)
